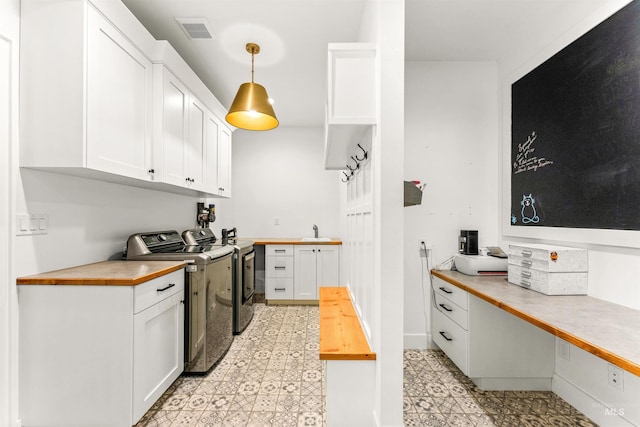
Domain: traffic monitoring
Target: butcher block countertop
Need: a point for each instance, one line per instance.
(106, 273)
(609, 331)
(292, 241)
(341, 335)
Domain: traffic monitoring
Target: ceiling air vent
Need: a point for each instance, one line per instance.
(196, 28)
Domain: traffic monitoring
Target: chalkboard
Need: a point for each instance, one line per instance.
(575, 132)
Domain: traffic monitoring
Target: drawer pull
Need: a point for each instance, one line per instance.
(445, 336)
(280, 289)
(526, 252)
(525, 283)
(169, 286)
(445, 290)
(445, 308)
(527, 263)
(279, 267)
(280, 251)
(526, 274)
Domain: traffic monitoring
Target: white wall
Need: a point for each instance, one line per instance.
(280, 174)
(90, 220)
(451, 144)
(614, 256)
(9, 58)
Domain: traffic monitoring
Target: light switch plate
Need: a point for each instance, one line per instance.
(32, 224)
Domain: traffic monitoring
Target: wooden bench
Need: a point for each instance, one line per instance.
(341, 335)
(349, 362)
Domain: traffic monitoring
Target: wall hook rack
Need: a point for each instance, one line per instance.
(346, 176)
(365, 154)
(353, 169)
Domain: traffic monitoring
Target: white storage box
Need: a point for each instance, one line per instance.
(549, 269)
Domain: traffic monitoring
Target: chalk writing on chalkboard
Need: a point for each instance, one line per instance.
(525, 160)
(575, 132)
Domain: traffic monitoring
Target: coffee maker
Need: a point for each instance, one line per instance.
(468, 242)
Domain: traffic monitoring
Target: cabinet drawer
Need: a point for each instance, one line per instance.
(282, 250)
(549, 258)
(279, 266)
(278, 288)
(451, 292)
(549, 283)
(451, 339)
(149, 293)
(452, 310)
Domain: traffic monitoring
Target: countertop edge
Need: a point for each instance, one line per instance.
(585, 345)
(291, 241)
(49, 278)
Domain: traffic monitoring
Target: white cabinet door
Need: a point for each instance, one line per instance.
(119, 102)
(224, 162)
(328, 265)
(195, 147)
(158, 351)
(175, 102)
(212, 134)
(304, 272)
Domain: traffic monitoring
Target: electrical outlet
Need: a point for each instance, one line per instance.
(422, 245)
(563, 349)
(616, 377)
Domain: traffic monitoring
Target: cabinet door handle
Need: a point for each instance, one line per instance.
(280, 289)
(445, 290)
(280, 251)
(445, 308)
(526, 252)
(444, 335)
(526, 274)
(169, 286)
(527, 263)
(525, 283)
(277, 267)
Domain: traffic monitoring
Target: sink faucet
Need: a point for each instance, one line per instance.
(315, 230)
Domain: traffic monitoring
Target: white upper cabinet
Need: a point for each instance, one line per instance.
(224, 162)
(187, 138)
(86, 91)
(351, 100)
(101, 98)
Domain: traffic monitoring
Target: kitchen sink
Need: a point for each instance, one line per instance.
(316, 239)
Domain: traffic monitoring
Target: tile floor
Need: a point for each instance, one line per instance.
(272, 376)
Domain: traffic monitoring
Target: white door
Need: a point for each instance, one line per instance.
(224, 162)
(211, 132)
(196, 144)
(174, 129)
(304, 273)
(158, 351)
(328, 267)
(119, 102)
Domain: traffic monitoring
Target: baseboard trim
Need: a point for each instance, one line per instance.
(418, 342)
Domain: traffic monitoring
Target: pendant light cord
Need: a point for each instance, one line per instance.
(252, 55)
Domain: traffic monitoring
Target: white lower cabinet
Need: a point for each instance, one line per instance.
(315, 266)
(295, 272)
(497, 350)
(278, 272)
(98, 355)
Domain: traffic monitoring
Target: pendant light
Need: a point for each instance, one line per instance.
(251, 109)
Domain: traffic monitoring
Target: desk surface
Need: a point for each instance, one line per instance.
(609, 331)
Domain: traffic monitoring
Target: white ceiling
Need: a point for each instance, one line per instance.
(293, 35)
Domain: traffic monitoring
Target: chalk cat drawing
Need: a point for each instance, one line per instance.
(529, 214)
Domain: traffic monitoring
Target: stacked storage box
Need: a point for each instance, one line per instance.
(549, 269)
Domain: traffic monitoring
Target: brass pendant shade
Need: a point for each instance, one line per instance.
(251, 108)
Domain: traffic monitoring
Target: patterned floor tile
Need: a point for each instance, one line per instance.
(272, 376)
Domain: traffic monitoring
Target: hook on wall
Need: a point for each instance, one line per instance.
(353, 169)
(365, 154)
(346, 176)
